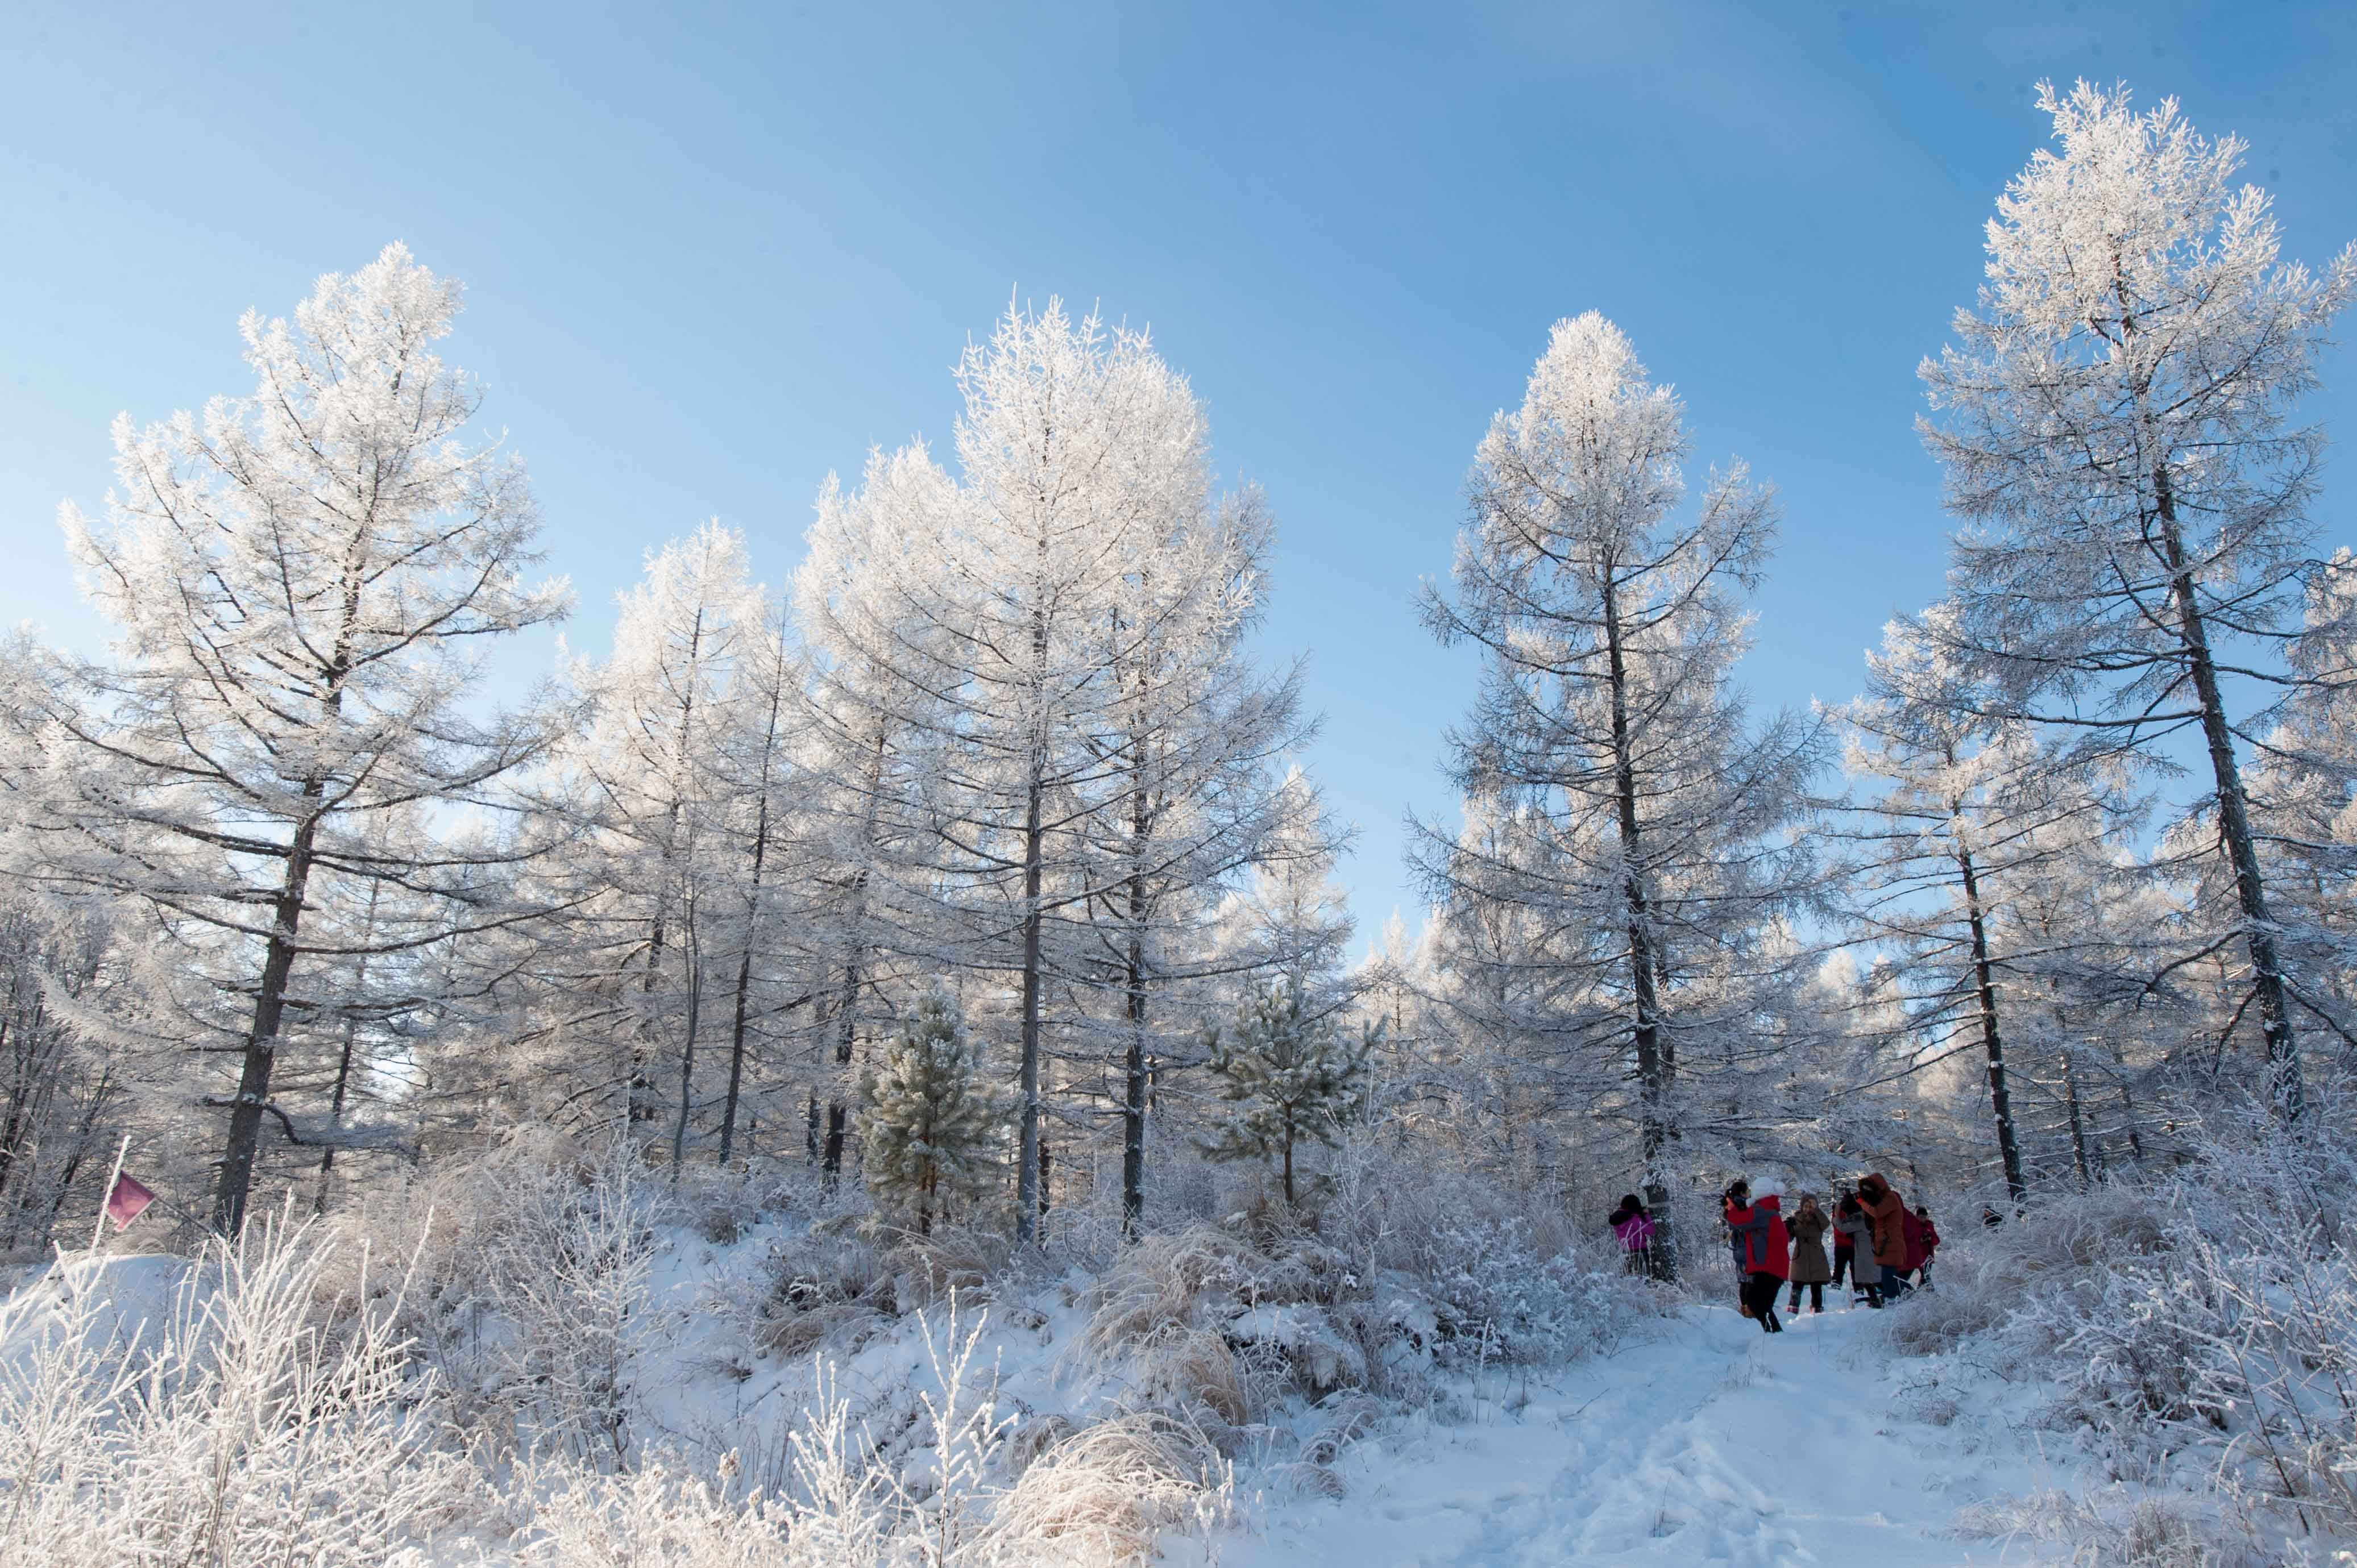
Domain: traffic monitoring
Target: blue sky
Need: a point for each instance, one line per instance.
(714, 253)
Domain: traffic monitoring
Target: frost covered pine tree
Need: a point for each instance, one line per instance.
(881, 716)
(1629, 841)
(1967, 805)
(1291, 920)
(1033, 684)
(933, 1128)
(768, 823)
(1291, 1077)
(1073, 440)
(1197, 757)
(2116, 426)
(303, 582)
(647, 781)
(1056, 631)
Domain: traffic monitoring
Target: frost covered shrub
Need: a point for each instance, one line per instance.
(529, 1293)
(568, 1288)
(654, 1517)
(961, 1260)
(252, 1426)
(2241, 1338)
(956, 1489)
(1345, 1296)
(2210, 1315)
(1103, 1495)
(2139, 1531)
(2058, 1245)
(1163, 1283)
(832, 1282)
(1495, 1294)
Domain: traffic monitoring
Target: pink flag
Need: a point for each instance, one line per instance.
(128, 1201)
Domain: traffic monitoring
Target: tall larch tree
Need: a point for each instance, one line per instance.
(647, 780)
(1963, 806)
(2117, 424)
(303, 582)
(1638, 827)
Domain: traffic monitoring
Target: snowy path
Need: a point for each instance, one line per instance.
(1715, 1444)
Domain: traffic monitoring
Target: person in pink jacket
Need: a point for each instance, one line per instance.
(1632, 1225)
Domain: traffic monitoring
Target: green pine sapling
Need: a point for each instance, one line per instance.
(1291, 1076)
(933, 1127)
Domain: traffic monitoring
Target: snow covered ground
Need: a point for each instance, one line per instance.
(1699, 1440)
(1714, 1443)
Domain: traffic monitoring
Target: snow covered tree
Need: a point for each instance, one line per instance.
(880, 717)
(645, 780)
(1292, 1077)
(1967, 803)
(768, 821)
(1628, 843)
(2303, 789)
(933, 1128)
(2089, 964)
(1041, 663)
(1290, 919)
(303, 582)
(1073, 440)
(2116, 427)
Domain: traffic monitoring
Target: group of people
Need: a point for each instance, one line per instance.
(1883, 1247)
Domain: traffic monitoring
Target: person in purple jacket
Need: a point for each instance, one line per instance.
(1632, 1223)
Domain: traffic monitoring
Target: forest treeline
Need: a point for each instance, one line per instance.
(978, 862)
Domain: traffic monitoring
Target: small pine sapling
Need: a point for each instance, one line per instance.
(1291, 1076)
(933, 1126)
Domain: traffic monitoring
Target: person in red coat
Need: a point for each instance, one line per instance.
(1762, 1251)
(1931, 1239)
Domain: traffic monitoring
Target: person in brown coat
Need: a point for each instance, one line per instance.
(1808, 1226)
(1887, 1215)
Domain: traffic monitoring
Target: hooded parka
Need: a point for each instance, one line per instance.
(1888, 1217)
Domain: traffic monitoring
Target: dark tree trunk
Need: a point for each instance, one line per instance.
(1031, 1190)
(2079, 1165)
(744, 957)
(1047, 1186)
(344, 1056)
(838, 1120)
(2008, 1147)
(2285, 1092)
(687, 1047)
(1645, 961)
(262, 1039)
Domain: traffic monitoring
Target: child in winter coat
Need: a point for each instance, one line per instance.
(1756, 1233)
(1808, 1227)
(1930, 1237)
(1851, 1223)
(1632, 1224)
(1845, 1248)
